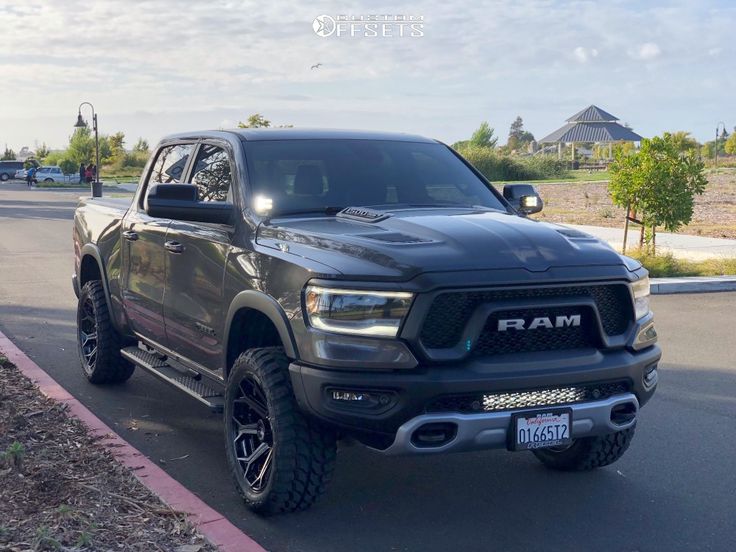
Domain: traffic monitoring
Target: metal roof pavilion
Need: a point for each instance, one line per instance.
(592, 124)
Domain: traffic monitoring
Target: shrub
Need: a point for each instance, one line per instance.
(497, 167)
(68, 166)
(659, 183)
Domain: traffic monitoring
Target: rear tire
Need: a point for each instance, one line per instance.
(98, 342)
(4, 177)
(281, 460)
(588, 453)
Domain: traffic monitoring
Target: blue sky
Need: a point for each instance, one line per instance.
(161, 66)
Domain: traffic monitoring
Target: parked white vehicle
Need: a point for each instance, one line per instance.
(21, 174)
(50, 174)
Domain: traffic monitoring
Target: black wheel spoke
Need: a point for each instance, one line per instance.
(253, 405)
(250, 431)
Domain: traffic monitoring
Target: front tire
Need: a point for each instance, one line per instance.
(98, 342)
(281, 460)
(587, 453)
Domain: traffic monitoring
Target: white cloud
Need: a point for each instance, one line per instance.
(646, 51)
(715, 51)
(583, 55)
(192, 64)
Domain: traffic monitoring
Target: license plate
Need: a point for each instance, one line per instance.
(541, 428)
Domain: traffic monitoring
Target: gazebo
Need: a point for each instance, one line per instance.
(592, 124)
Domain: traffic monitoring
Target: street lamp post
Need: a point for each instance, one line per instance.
(81, 123)
(719, 125)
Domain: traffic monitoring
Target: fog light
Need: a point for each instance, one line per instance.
(350, 396)
(647, 336)
(377, 400)
(650, 375)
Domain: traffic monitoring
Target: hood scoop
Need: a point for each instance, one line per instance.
(363, 214)
(394, 238)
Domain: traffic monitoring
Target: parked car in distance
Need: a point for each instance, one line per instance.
(49, 174)
(21, 174)
(8, 169)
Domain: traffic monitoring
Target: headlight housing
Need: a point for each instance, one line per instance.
(357, 312)
(641, 297)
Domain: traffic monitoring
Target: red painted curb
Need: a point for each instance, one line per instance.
(210, 523)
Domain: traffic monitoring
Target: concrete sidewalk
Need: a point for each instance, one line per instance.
(683, 246)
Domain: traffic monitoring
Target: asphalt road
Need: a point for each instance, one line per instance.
(674, 490)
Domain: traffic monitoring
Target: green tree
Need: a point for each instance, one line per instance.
(42, 152)
(255, 121)
(117, 146)
(683, 141)
(69, 166)
(518, 137)
(730, 145)
(659, 182)
(8, 155)
(141, 146)
(484, 136)
(81, 146)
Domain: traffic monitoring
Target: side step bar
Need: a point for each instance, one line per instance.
(192, 386)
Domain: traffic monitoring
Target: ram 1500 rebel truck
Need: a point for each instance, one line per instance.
(326, 285)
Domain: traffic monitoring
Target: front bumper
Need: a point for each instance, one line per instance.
(491, 430)
(403, 395)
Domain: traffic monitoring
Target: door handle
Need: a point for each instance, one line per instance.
(130, 235)
(174, 246)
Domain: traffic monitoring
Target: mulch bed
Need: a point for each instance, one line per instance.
(60, 489)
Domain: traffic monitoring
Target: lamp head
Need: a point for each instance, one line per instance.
(81, 123)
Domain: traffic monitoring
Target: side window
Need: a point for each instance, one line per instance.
(212, 174)
(170, 164)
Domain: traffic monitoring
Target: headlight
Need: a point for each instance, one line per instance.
(641, 297)
(373, 313)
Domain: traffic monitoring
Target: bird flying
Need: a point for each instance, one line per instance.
(316, 66)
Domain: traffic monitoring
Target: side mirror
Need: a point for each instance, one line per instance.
(181, 202)
(523, 197)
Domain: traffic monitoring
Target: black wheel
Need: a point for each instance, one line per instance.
(99, 344)
(4, 177)
(587, 453)
(48, 179)
(281, 460)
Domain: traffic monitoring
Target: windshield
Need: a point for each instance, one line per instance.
(300, 176)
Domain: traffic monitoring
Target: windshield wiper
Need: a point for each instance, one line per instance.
(441, 206)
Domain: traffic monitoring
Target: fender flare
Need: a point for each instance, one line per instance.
(267, 305)
(91, 250)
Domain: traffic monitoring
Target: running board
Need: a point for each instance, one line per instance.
(192, 386)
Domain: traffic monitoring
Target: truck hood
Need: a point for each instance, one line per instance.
(409, 242)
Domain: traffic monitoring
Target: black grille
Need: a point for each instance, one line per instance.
(493, 342)
(450, 312)
(532, 398)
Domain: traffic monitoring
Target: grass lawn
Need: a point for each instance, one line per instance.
(572, 177)
(666, 265)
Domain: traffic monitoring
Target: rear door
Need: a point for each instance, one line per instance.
(196, 256)
(144, 255)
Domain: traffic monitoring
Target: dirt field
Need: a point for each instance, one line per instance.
(589, 203)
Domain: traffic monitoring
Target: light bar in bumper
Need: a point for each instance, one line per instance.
(490, 430)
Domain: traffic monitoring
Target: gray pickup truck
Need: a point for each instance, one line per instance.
(326, 285)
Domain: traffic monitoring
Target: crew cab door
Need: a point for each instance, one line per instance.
(196, 256)
(144, 253)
